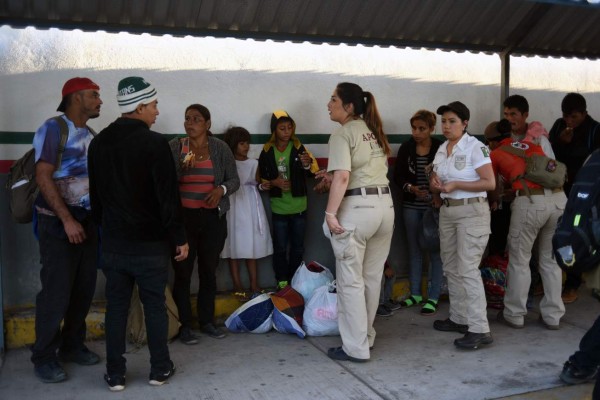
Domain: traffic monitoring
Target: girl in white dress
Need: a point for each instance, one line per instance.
(248, 233)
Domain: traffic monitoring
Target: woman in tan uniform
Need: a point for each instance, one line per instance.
(359, 217)
(462, 175)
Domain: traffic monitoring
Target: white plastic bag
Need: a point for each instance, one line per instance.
(309, 277)
(320, 313)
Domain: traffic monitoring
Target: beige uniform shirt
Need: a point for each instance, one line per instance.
(353, 147)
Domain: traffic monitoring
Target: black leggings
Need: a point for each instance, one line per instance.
(206, 233)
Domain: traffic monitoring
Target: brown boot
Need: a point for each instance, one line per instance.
(569, 295)
(538, 289)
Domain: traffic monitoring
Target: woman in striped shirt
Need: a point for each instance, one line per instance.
(413, 158)
(207, 177)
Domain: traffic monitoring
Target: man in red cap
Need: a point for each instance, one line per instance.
(68, 238)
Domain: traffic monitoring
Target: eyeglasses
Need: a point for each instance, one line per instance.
(194, 119)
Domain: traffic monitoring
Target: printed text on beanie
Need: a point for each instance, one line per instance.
(133, 91)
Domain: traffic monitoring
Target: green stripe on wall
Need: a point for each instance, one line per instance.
(257, 138)
(16, 137)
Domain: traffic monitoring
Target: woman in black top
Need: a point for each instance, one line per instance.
(414, 157)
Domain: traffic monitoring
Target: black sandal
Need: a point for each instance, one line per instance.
(430, 307)
(409, 302)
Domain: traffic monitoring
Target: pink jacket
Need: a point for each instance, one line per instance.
(535, 129)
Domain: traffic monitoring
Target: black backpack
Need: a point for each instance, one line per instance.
(576, 242)
(21, 185)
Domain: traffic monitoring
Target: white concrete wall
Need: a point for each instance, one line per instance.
(242, 82)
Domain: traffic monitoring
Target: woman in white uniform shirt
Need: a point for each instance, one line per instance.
(462, 175)
(359, 216)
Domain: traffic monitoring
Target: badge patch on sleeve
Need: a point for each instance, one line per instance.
(485, 151)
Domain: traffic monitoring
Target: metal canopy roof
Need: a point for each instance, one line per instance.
(518, 27)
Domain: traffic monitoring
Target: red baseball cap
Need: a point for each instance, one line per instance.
(75, 85)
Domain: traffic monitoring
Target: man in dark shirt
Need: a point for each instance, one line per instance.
(574, 137)
(135, 199)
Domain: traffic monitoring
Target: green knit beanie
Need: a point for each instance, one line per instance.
(133, 91)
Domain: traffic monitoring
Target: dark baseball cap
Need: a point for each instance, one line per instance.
(75, 85)
(458, 108)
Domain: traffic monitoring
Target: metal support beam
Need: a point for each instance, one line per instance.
(526, 25)
(504, 79)
(1, 317)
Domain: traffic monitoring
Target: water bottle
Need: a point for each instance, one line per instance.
(282, 168)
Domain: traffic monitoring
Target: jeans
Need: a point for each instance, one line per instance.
(150, 273)
(588, 355)
(573, 280)
(387, 288)
(500, 221)
(288, 229)
(68, 278)
(412, 219)
(206, 233)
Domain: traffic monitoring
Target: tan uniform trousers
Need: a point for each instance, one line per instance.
(464, 233)
(360, 254)
(528, 221)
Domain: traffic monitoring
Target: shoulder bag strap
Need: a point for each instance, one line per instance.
(64, 135)
(520, 178)
(513, 151)
(93, 132)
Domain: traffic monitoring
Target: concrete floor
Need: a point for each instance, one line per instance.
(410, 361)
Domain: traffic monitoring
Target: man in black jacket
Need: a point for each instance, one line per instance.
(574, 137)
(135, 200)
